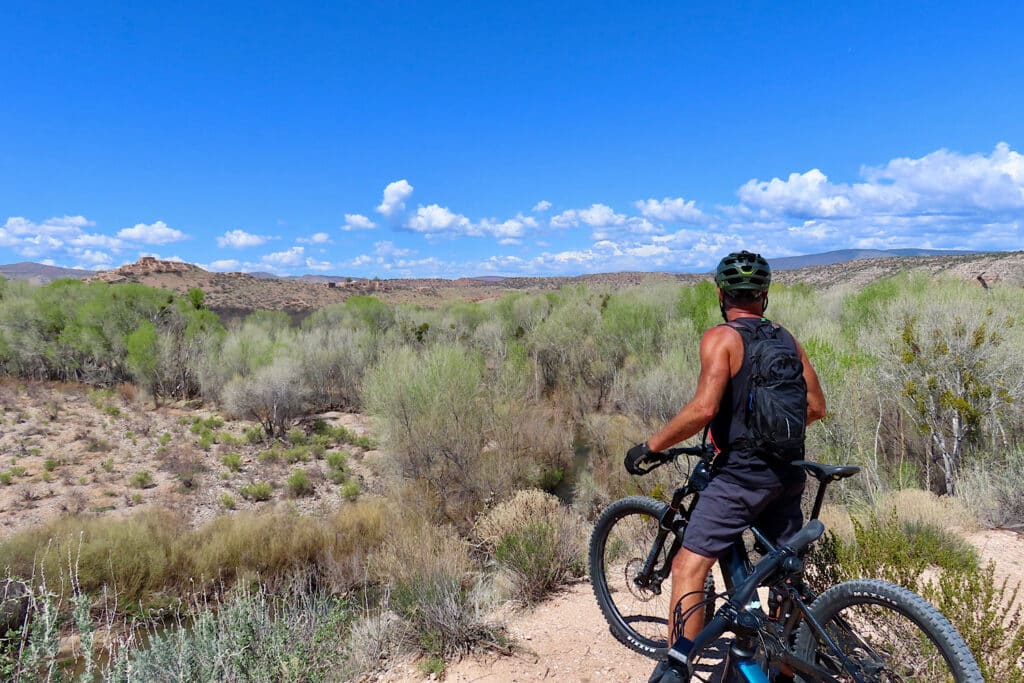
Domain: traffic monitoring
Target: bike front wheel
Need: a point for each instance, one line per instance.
(884, 633)
(624, 537)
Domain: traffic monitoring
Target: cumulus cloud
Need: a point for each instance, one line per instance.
(434, 219)
(285, 259)
(240, 239)
(154, 233)
(395, 195)
(671, 210)
(541, 206)
(313, 264)
(223, 265)
(356, 221)
(316, 238)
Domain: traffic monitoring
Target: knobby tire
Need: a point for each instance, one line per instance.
(888, 633)
(621, 540)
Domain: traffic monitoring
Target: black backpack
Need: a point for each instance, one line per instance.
(776, 415)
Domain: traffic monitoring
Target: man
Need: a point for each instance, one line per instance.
(748, 488)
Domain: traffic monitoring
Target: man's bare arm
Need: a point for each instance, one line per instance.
(815, 396)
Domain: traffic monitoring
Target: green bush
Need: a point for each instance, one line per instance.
(298, 484)
(258, 491)
(228, 502)
(142, 480)
(233, 461)
(337, 460)
(350, 490)
(535, 541)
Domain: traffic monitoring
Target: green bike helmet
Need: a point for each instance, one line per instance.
(743, 271)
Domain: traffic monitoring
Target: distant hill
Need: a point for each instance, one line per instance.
(40, 273)
(829, 258)
(236, 294)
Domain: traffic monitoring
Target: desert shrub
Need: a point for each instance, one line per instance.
(298, 484)
(994, 490)
(536, 541)
(296, 454)
(432, 416)
(333, 362)
(254, 435)
(431, 580)
(250, 545)
(228, 501)
(274, 395)
(966, 593)
(253, 635)
(258, 491)
(988, 617)
(885, 547)
(575, 364)
(337, 460)
(131, 556)
(233, 461)
(656, 392)
(142, 480)
(349, 490)
(296, 437)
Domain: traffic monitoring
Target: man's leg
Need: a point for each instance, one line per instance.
(689, 570)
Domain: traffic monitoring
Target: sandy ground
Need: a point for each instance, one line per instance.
(566, 639)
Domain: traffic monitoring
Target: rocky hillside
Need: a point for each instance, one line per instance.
(235, 294)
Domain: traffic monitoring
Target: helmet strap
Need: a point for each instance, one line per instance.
(721, 307)
(765, 306)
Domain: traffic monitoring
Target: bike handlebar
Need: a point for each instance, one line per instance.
(656, 459)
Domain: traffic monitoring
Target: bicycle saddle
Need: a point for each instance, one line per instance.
(823, 472)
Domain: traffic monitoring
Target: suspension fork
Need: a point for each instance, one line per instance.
(669, 522)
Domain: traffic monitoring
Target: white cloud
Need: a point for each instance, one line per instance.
(356, 221)
(597, 216)
(154, 233)
(92, 257)
(389, 250)
(513, 228)
(541, 206)
(240, 239)
(223, 265)
(669, 210)
(436, 219)
(362, 260)
(62, 226)
(288, 258)
(96, 240)
(395, 195)
(313, 264)
(316, 238)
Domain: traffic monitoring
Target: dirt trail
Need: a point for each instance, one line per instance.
(566, 639)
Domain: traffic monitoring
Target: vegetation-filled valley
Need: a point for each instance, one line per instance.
(268, 500)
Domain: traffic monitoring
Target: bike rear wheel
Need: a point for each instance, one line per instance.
(623, 538)
(887, 633)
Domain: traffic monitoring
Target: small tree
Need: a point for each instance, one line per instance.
(274, 396)
(950, 385)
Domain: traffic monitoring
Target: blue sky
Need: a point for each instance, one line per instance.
(450, 139)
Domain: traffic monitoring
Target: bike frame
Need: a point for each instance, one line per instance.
(737, 571)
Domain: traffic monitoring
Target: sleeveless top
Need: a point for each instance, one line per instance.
(727, 428)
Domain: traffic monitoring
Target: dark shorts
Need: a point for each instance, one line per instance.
(726, 509)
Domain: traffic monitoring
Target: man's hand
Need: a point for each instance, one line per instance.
(636, 456)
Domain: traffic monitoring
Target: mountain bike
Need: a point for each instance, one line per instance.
(861, 630)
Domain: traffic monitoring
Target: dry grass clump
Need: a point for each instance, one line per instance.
(434, 587)
(131, 556)
(995, 492)
(918, 507)
(537, 543)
